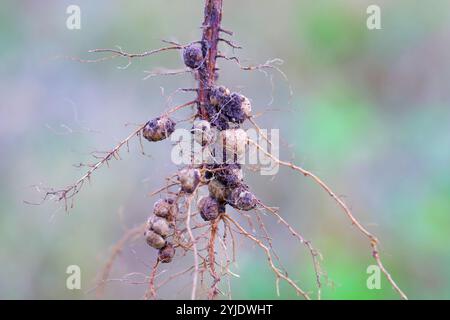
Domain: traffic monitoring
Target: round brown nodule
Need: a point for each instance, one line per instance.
(189, 179)
(217, 190)
(165, 208)
(242, 199)
(158, 129)
(193, 56)
(154, 240)
(159, 225)
(166, 254)
(210, 208)
(218, 95)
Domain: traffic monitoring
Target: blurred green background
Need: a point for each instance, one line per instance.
(370, 115)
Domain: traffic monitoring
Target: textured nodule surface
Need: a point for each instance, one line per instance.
(159, 225)
(210, 208)
(189, 179)
(236, 108)
(193, 56)
(166, 254)
(217, 190)
(230, 175)
(165, 208)
(242, 199)
(158, 129)
(154, 240)
(218, 95)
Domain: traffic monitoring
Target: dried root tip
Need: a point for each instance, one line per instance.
(189, 179)
(219, 95)
(166, 254)
(193, 56)
(154, 240)
(210, 208)
(203, 133)
(159, 225)
(165, 208)
(232, 143)
(217, 190)
(158, 129)
(242, 199)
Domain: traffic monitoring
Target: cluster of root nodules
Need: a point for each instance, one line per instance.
(194, 208)
(200, 207)
(197, 212)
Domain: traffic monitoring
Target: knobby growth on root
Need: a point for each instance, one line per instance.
(193, 216)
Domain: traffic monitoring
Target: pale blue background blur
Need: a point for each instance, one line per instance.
(370, 114)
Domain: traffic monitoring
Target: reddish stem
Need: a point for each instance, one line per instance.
(210, 39)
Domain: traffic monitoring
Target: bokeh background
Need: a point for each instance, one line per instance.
(370, 115)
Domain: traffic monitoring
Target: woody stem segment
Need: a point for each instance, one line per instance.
(210, 39)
